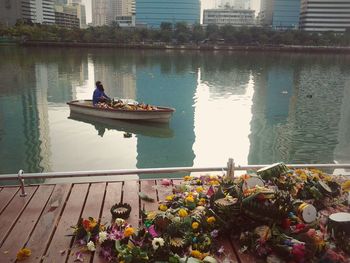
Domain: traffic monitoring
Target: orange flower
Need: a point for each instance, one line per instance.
(183, 212)
(128, 231)
(211, 220)
(86, 224)
(195, 225)
(23, 253)
(196, 254)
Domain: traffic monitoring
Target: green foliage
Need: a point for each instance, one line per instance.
(180, 32)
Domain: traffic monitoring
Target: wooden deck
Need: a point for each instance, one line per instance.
(42, 220)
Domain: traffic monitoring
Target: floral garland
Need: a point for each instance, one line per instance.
(283, 219)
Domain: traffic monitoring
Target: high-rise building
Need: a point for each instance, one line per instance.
(237, 4)
(266, 12)
(229, 16)
(322, 15)
(100, 10)
(35, 11)
(286, 14)
(153, 13)
(122, 12)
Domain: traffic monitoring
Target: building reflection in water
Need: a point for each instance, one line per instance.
(256, 108)
(169, 80)
(297, 108)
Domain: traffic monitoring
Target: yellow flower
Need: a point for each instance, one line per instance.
(93, 223)
(195, 225)
(128, 231)
(163, 207)
(183, 212)
(346, 186)
(23, 253)
(190, 199)
(169, 197)
(211, 220)
(214, 182)
(303, 177)
(199, 189)
(196, 254)
(187, 178)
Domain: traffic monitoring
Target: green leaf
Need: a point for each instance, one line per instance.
(117, 246)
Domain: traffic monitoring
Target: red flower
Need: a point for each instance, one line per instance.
(298, 252)
(286, 223)
(86, 224)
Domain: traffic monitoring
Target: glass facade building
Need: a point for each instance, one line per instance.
(286, 14)
(153, 13)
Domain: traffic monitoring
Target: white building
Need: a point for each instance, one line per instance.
(99, 12)
(228, 16)
(236, 4)
(36, 11)
(322, 15)
(266, 12)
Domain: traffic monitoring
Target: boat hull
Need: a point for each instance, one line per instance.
(162, 114)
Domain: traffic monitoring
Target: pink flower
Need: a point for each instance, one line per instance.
(152, 231)
(298, 252)
(166, 182)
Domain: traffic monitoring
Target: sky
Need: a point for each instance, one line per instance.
(255, 5)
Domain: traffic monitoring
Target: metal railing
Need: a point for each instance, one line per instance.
(230, 168)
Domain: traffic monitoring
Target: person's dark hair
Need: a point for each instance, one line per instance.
(100, 87)
(98, 83)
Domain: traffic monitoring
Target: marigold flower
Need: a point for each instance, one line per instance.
(196, 254)
(199, 189)
(346, 186)
(195, 225)
(183, 212)
(163, 207)
(92, 223)
(187, 178)
(190, 199)
(169, 197)
(211, 220)
(128, 231)
(23, 253)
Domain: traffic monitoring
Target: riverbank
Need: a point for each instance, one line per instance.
(200, 47)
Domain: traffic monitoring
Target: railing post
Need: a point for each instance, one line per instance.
(230, 168)
(21, 182)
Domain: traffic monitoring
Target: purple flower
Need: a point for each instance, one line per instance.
(152, 231)
(214, 233)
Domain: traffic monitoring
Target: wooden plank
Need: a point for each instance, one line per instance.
(21, 231)
(163, 191)
(60, 243)
(113, 196)
(242, 257)
(47, 222)
(148, 187)
(12, 212)
(131, 196)
(92, 208)
(6, 196)
(229, 255)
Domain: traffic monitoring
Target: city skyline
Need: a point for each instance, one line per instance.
(255, 5)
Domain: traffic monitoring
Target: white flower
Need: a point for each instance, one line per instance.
(157, 242)
(102, 236)
(119, 221)
(91, 246)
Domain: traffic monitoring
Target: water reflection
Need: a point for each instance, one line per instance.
(254, 107)
(159, 130)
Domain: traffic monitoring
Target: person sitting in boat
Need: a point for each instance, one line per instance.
(99, 94)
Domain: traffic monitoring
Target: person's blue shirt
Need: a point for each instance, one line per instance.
(97, 95)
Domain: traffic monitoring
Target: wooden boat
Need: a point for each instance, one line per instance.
(144, 128)
(160, 114)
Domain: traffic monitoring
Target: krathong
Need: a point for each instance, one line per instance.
(276, 214)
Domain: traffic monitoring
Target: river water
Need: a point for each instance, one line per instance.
(257, 108)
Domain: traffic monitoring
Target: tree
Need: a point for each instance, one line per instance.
(197, 33)
(182, 32)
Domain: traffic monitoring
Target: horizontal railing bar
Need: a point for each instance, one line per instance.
(156, 171)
